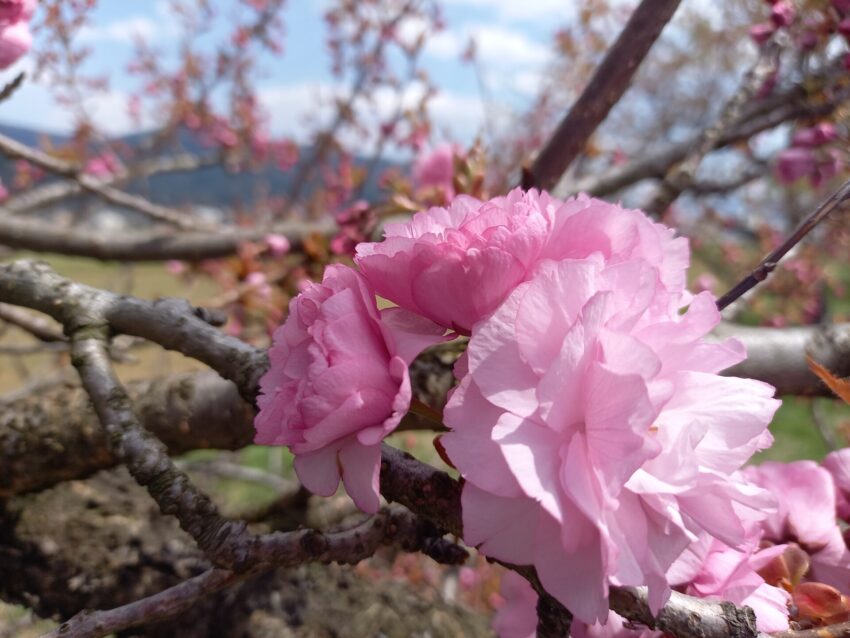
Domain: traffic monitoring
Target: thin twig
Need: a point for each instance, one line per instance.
(769, 263)
(608, 84)
(11, 87)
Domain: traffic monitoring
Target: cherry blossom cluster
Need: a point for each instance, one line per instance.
(15, 36)
(595, 437)
(795, 561)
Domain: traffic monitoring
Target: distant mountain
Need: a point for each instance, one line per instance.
(209, 186)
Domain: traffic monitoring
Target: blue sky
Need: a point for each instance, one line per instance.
(513, 37)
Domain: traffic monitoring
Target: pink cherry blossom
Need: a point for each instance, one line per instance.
(817, 135)
(806, 495)
(782, 14)
(711, 569)
(436, 169)
(838, 464)
(455, 265)
(761, 33)
(15, 41)
(338, 383)
(104, 166)
(794, 163)
(593, 431)
(12, 11)
(278, 244)
(517, 617)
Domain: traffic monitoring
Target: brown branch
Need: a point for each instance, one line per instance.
(15, 150)
(39, 327)
(761, 116)
(27, 234)
(608, 84)
(172, 323)
(769, 263)
(47, 194)
(11, 87)
(226, 543)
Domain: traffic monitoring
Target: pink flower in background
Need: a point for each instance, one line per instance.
(455, 265)
(806, 496)
(517, 617)
(711, 569)
(12, 11)
(794, 163)
(593, 431)
(338, 383)
(4, 192)
(838, 465)
(817, 135)
(436, 169)
(278, 244)
(15, 41)
(760, 33)
(782, 14)
(104, 166)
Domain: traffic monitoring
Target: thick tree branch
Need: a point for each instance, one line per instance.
(39, 236)
(172, 323)
(608, 84)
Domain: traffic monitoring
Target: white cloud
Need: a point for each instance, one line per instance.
(124, 31)
(553, 11)
(495, 45)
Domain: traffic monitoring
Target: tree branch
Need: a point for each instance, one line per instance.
(608, 84)
(47, 194)
(15, 150)
(28, 234)
(769, 263)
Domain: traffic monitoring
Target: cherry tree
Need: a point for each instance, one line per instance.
(541, 309)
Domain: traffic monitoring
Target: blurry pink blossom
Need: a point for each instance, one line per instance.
(104, 166)
(817, 135)
(782, 14)
(794, 163)
(838, 465)
(436, 168)
(278, 244)
(175, 267)
(517, 618)
(807, 500)
(338, 383)
(15, 40)
(12, 11)
(760, 33)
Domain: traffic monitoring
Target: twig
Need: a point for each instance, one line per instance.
(39, 327)
(9, 90)
(769, 263)
(608, 84)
